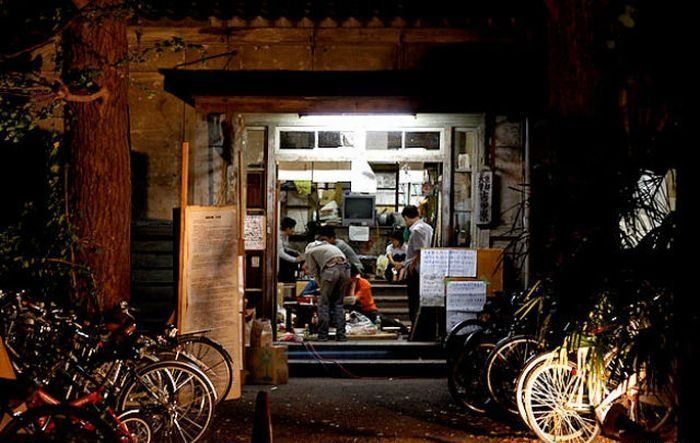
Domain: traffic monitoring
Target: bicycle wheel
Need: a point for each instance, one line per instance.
(459, 335)
(212, 359)
(531, 364)
(505, 364)
(176, 397)
(58, 423)
(557, 406)
(137, 426)
(465, 377)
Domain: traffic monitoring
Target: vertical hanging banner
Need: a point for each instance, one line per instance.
(210, 288)
(484, 197)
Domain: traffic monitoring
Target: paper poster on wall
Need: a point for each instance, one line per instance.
(358, 233)
(254, 232)
(211, 297)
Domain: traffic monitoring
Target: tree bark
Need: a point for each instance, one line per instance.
(99, 179)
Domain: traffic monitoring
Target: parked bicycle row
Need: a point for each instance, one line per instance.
(79, 380)
(568, 387)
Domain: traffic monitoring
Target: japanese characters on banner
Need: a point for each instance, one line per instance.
(438, 263)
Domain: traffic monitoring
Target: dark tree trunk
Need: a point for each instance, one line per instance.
(99, 180)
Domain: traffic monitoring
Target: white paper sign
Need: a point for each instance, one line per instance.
(432, 290)
(254, 232)
(456, 317)
(468, 296)
(434, 262)
(358, 233)
(462, 263)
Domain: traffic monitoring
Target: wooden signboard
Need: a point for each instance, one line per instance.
(211, 269)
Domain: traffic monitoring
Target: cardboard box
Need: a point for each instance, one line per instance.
(266, 365)
(6, 370)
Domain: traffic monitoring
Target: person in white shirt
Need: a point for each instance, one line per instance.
(396, 253)
(288, 257)
(421, 237)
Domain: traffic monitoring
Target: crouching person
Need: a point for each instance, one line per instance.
(327, 264)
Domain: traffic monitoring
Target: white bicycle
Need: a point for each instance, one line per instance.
(561, 402)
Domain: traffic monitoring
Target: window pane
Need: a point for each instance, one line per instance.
(386, 180)
(462, 191)
(463, 228)
(297, 139)
(255, 148)
(425, 140)
(335, 139)
(386, 198)
(382, 140)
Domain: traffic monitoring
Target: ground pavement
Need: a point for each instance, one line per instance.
(361, 410)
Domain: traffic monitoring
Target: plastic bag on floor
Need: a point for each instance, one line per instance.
(358, 324)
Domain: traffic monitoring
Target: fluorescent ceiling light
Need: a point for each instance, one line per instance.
(360, 121)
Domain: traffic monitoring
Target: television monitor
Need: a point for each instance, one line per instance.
(358, 209)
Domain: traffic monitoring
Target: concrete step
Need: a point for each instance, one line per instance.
(366, 358)
(374, 350)
(390, 298)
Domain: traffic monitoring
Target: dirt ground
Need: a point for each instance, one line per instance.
(361, 410)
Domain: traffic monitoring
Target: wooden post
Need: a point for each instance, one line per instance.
(184, 186)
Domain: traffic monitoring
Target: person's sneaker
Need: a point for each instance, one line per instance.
(341, 338)
(322, 339)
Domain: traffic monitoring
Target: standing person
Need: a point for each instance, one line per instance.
(288, 258)
(396, 253)
(327, 264)
(421, 236)
(327, 233)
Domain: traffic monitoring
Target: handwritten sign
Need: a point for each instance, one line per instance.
(432, 290)
(462, 263)
(468, 296)
(254, 232)
(434, 262)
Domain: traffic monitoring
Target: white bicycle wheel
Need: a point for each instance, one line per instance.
(557, 405)
(176, 396)
(522, 378)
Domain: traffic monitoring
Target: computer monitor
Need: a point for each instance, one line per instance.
(358, 209)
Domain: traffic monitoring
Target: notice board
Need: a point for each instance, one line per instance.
(439, 264)
(211, 279)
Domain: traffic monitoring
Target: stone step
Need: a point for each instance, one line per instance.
(366, 357)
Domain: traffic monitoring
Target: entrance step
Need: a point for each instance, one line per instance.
(366, 358)
(391, 299)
